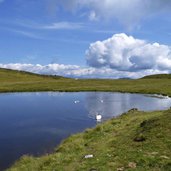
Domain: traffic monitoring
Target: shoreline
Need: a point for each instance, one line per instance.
(157, 95)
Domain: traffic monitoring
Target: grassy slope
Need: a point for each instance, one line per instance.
(136, 139)
(158, 76)
(13, 81)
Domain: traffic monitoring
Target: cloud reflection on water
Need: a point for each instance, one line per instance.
(113, 104)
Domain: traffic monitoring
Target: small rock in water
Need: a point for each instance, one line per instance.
(88, 156)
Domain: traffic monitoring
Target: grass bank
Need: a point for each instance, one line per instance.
(136, 140)
(15, 81)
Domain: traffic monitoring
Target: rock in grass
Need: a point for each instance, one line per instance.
(93, 169)
(132, 165)
(88, 156)
(120, 169)
(139, 138)
(164, 157)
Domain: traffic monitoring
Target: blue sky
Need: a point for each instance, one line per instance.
(61, 37)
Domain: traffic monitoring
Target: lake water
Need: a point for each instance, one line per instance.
(35, 123)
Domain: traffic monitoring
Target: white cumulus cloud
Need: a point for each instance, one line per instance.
(126, 53)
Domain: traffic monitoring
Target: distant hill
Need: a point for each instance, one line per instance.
(158, 76)
(125, 78)
(9, 74)
(20, 81)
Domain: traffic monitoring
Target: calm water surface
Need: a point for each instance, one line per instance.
(34, 123)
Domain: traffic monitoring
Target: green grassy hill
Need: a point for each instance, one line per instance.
(9, 75)
(14, 81)
(158, 76)
(17, 81)
(139, 141)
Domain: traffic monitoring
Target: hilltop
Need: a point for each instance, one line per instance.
(14, 75)
(158, 76)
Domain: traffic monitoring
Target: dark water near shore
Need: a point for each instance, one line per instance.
(35, 123)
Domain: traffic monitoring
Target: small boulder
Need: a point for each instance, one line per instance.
(164, 157)
(139, 138)
(88, 156)
(132, 165)
(120, 169)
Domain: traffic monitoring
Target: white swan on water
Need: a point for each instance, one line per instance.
(76, 101)
(98, 117)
